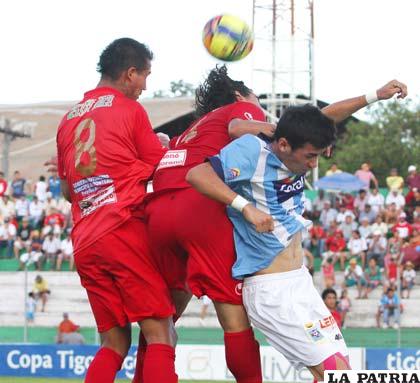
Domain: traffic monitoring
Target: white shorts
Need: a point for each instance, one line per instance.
(289, 311)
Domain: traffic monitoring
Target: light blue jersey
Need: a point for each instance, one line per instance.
(253, 171)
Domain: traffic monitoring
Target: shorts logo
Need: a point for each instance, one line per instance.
(313, 333)
(238, 289)
(233, 173)
(248, 116)
(338, 337)
(326, 322)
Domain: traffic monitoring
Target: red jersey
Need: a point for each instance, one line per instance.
(54, 219)
(404, 229)
(3, 187)
(106, 152)
(337, 316)
(335, 244)
(204, 138)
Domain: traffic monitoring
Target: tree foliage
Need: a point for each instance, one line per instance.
(390, 140)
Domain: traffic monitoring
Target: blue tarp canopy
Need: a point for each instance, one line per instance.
(341, 182)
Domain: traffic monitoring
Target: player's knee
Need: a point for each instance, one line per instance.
(336, 362)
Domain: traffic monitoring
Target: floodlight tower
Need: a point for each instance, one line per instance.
(283, 52)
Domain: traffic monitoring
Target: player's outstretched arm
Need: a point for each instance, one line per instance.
(238, 128)
(340, 110)
(206, 181)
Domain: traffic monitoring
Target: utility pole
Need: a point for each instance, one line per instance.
(9, 135)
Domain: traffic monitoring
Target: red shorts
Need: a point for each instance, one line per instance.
(192, 241)
(121, 278)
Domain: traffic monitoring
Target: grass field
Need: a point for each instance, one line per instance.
(46, 380)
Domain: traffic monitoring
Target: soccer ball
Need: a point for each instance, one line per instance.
(228, 38)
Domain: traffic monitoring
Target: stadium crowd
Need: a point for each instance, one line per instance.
(378, 235)
(35, 222)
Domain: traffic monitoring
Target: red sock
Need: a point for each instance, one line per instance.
(141, 352)
(104, 366)
(243, 356)
(159, 364)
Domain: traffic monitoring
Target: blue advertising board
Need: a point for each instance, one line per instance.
(54, 361)
(393, 358)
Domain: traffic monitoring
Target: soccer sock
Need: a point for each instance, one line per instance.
(243, 356)
(141, 352)
(159, 364)
(104, 366)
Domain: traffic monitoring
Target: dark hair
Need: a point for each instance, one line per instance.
(328, 291)
(122, 54)
(306, 124)
(218, 90)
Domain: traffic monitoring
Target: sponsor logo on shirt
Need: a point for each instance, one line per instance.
(248, 116)
(233, 173)
(289, 187)
(173, 158)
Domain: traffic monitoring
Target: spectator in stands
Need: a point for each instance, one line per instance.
(394, 247)
(318, 204)
(22, 208)
(67, 332)
(41, 290)
(335, 245)
(66, 253)
(40, 189)
(328, 215)
(403, 227)
(377, 201)
(391, 214)
(30, 307)
(333, 170)
(7, 237)
(366, 176)
(343, 212)
(357, 247)
(328, 273)
(36, 212)
(23, 237)
(391, 268)
(34, 255)
(53, 222)
(3, 185)
(329, 296)
(373, 277)
(365, 229)
(354, 276)
(50, 204)
(390, 305)
(348, 201)
(18, 185)
(413, 178)
(413, 204)
(394, 181)
(348, 226)
(344, 305)
(368, 213)
(377, 248)
(7, 207)
(360, 201)
(380, 225)
(318, 236)
(394, 196)
(408, 279)
(51, 248)
(54, 186)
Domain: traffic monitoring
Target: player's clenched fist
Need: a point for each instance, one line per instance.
(263, 222)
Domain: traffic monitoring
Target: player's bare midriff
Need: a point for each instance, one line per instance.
(289, 259)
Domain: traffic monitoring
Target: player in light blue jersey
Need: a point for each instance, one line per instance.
(263, 184)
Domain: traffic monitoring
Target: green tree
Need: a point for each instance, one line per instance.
(181, 88)
(390, 140)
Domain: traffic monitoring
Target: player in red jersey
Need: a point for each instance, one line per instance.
(106, 152)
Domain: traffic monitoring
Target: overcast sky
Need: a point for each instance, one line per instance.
(50, 48)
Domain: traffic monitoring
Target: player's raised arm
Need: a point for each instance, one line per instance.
(340, 110)
(238, 128)
(206, 181)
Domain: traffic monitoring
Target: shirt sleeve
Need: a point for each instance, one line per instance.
(147, 144)
(237, 161)
(247, 111)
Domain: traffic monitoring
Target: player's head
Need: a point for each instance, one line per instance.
(126, 63)
(303, 133)
(329, 296)
(218, 90)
